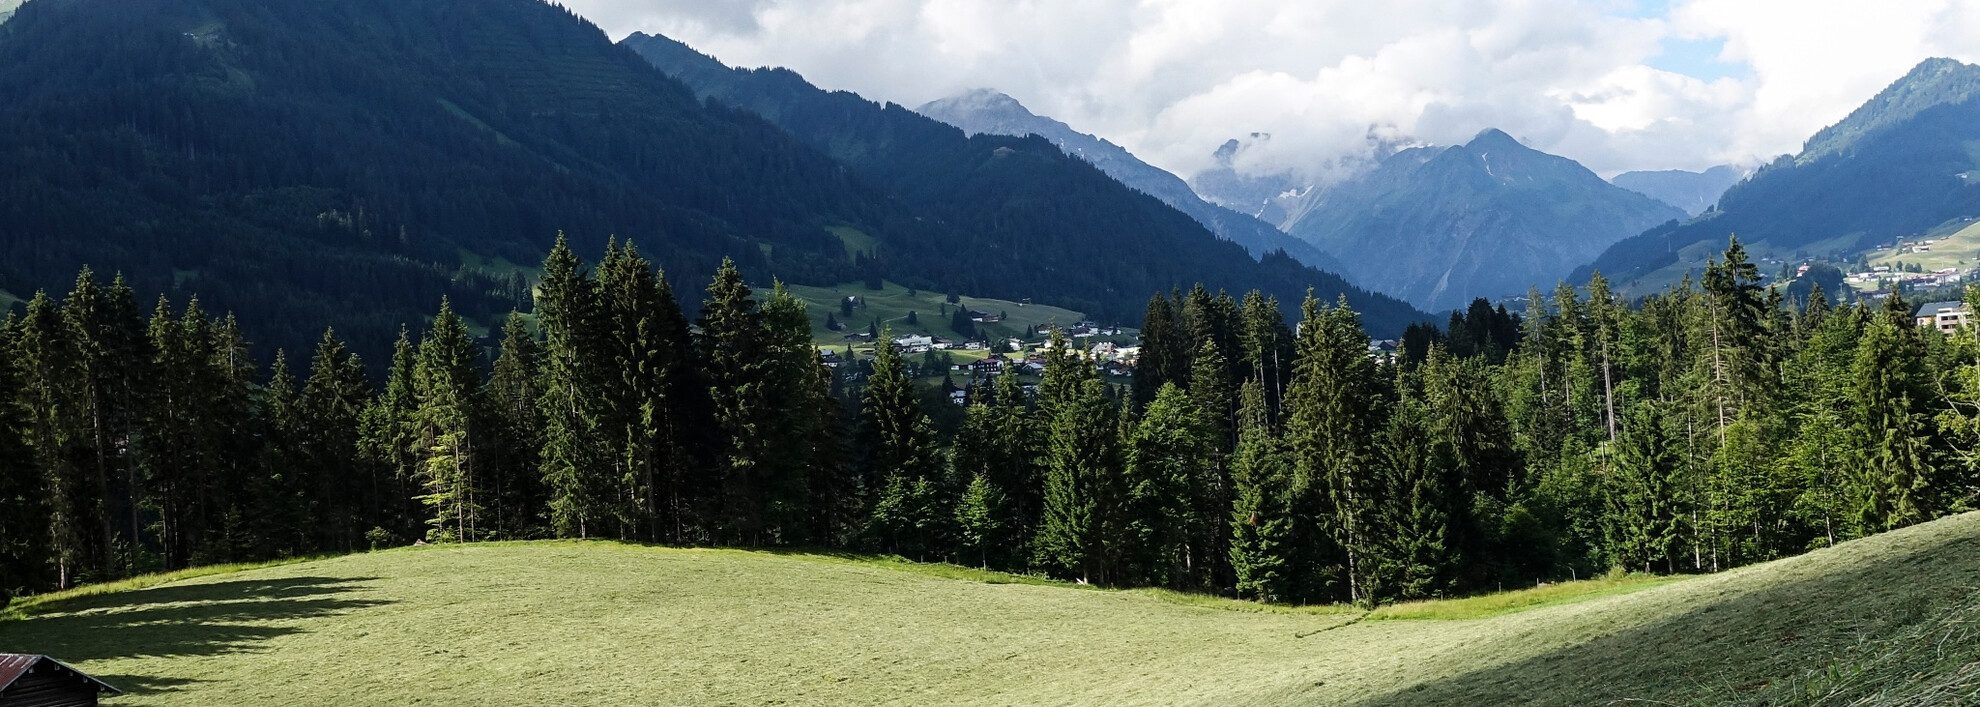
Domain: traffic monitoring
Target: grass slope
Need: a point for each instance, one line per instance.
(890, 306)
(599, 623)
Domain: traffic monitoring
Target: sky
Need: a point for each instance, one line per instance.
(1616, 84)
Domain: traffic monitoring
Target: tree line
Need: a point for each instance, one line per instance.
(1708, 426)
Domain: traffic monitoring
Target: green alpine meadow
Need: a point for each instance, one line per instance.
(454, 352)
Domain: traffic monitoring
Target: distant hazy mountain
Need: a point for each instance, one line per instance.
(1899, 165)
(1261, 196)
(1438, 226)
(985, 111)
(1694, 192)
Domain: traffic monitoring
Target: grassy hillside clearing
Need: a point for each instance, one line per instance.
(1954, 245)
(889, 306)
(603, 623)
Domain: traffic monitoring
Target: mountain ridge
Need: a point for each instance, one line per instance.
(1013, 199)
(1898, 165)
(987, 111)
(1439, 226)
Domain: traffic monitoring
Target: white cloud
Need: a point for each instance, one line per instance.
(1172, 79)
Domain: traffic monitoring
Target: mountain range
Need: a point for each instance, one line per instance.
(1439, 226)
(1692, 192)
(1018, 214)
(351, 163)
(1902, 164)
(985, 111)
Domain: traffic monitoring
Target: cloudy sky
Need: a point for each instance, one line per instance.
(1616, 84)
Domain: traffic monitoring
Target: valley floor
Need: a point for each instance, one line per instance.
(602, 623)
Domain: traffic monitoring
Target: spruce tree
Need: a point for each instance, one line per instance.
(735, 362)
(574, 455)
(979, 519)
(1413, 555)
(1642, 512)
(444, 383)
(1895, 464)
(44, 356)
(515, 431)
(1263, 527)
(24, 515)
(282, 492)
(1166, 538)
(912, 508)
(386, 443)
(1329, 409)
(1079, 529)
(1165, 349)
(333, 404)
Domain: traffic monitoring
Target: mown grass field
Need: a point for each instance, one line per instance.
(1956, 245)
(604, 623)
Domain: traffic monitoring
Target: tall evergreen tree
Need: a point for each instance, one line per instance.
(1264, 531)
(1895, 466)
(913, 506)
(1329, 416)
(1078, 531)
(574, 456)
(1643, 517)
(1165, 349)
(333, 404)
(1413, 555)
(44, 353)
(515, 432)
(734, 359)
(1166, 537)
(24, 513)
(445, 384)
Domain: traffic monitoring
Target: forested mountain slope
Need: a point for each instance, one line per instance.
(307, 163)
(1441, 226)
(1902, 163)
(1023, 217)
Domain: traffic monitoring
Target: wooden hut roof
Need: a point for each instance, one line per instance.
(15, 665)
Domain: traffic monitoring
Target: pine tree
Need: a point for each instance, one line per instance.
(283, 492)
(574, 456)
(1211, 388)
(800, 461)
(735, 362)
(516, 428)
(44, 355)
(1412, 554)
(1165, 350)
(1080, 524)
(1166, 539)
(1329, 411)
(979, 519)
(1263, 532)
(333, 405)
(1895, 464)
(444, 382)
(386, 443)
(24, 515)
(106, 336)
(1643, 519)
(913, 509)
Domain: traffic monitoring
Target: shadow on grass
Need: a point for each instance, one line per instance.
(1727, 650)
(146, 685)
(181, 620)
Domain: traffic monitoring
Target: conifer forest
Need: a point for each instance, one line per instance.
(1714, 425)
